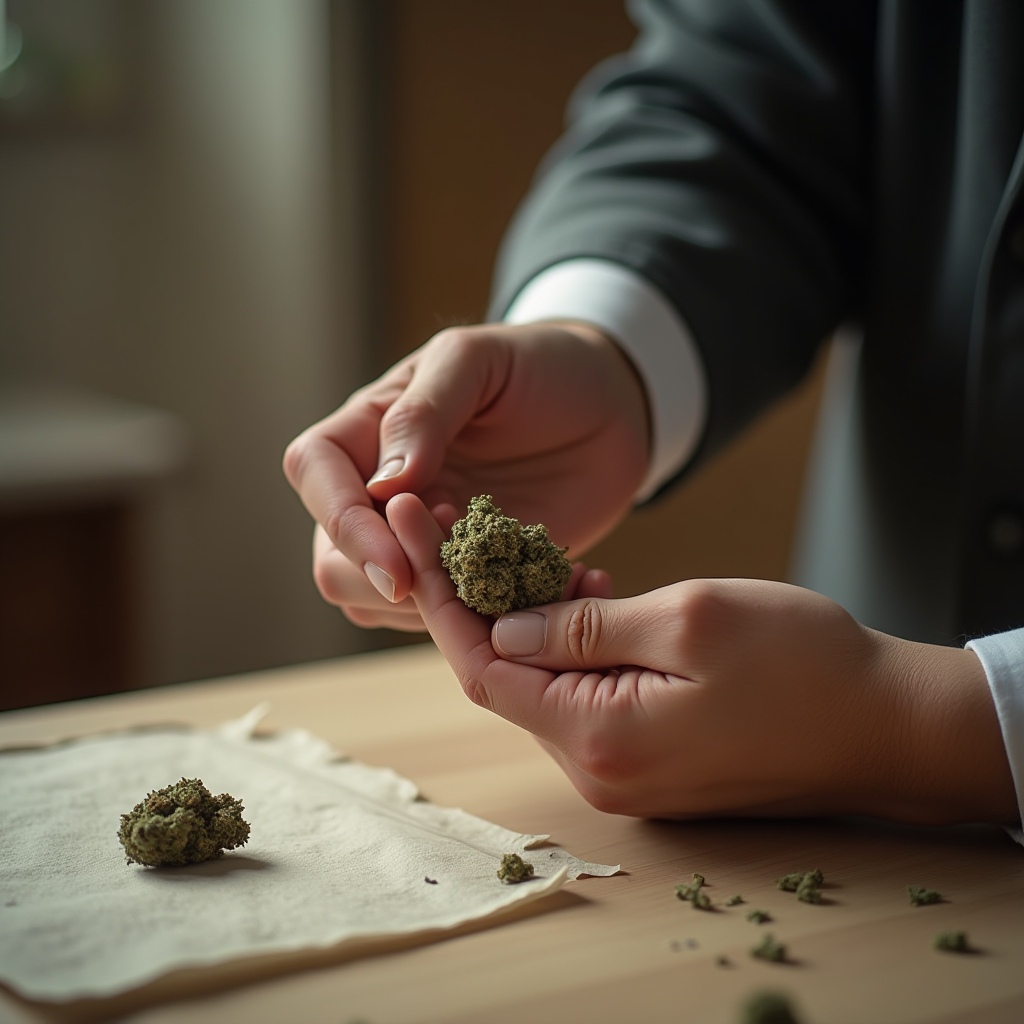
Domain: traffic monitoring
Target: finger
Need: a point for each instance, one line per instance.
(346, 585)
(515, 692)
(402, 621)
(586, 582)
(594, 633)
(457, 374)
(447, 516)
(326, 466)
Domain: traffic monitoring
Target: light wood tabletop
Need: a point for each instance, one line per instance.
(602, 949)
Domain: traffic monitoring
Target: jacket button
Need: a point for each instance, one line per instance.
(1005, 533)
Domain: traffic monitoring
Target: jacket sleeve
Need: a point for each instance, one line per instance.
(724, 159)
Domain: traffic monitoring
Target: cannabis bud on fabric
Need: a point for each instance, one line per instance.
(499, 565)
(514, 869)
(182, 824)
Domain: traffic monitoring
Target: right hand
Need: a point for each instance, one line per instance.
(551, 419)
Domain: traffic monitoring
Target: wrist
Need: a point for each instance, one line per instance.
(946, 758)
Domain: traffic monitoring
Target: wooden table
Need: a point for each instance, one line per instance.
(603, 949)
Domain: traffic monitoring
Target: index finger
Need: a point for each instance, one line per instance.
(515, 692)
(327, 465)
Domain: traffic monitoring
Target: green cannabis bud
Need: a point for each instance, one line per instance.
(804, 883)
(758, 916)
(951, 942)
(498, 565)
(691, 892)
(514, 869)
(769, 949)
(733, 900)
(920, 896)
(768, 1008)
(807, 891)
(182, 824)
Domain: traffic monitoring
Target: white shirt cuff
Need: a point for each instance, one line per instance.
(629, 309)
(1002, 657)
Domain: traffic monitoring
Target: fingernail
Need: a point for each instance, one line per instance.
(520, 634)
(390, 468)
(381, 580)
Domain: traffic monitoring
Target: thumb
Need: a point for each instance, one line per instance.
(456, 374)
(594, 633)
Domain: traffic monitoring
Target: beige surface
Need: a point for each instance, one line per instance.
(605, 950)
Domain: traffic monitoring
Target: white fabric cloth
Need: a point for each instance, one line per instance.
(339, 856)
(629, 309)
(1002, 657)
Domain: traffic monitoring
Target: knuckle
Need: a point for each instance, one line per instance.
(701, 610)
(406, 417)
(343, 526)
(584, 632)
(476, 692)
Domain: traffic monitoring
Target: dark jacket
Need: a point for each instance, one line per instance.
(776, 168)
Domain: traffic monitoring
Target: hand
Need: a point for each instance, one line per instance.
(549, 419)
(715, 697)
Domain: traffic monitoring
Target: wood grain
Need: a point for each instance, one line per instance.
(602, 950)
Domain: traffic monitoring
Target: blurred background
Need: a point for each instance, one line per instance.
(217, 219)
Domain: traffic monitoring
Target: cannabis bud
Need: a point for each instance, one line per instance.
(758, 916)
(768, 1008)
(769, 949)
(182, 824)
(692, 892)
(514, 869)
(920, 896)
(951, 942)
(804, 883)
(498, 565)
(733, 900)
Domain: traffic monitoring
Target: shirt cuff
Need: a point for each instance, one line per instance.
(630, 310)
(1002, 657)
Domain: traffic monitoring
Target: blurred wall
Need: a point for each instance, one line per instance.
(194, 246)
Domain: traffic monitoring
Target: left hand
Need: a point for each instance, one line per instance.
(715, 697)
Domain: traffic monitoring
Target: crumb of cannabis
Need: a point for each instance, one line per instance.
(514, 869)
(498, 565)
(733, 900)
(951, 942)
(791, 882)
(769, 949)
(692, 892)
(768, 1008)
(804, 883)
(182, 824)
(920, 896)
(807, 891)
(758, 916)
(722, 961)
